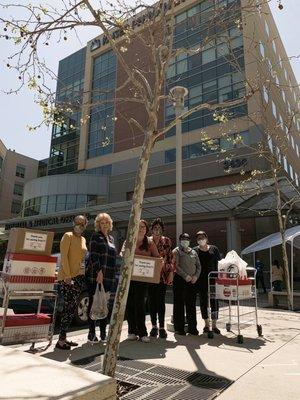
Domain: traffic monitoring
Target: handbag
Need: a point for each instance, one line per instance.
(99, 309)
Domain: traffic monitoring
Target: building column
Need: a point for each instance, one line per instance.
(233, 235)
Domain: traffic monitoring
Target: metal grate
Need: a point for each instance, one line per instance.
(157, 382)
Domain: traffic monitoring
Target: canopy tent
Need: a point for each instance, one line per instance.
(273, 240)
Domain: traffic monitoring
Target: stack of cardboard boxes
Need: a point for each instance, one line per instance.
(28, 267)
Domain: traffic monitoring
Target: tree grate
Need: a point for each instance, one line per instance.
(157, 382)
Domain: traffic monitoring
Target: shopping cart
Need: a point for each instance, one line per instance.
(234, 301)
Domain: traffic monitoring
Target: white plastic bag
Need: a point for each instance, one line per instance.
(233, 263)
(99, 309)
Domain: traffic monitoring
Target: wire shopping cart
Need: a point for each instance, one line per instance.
(234, 301)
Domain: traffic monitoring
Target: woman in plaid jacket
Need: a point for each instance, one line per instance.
(101, 268)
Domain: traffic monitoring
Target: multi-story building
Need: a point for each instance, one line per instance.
(94, 155)
(15, 170)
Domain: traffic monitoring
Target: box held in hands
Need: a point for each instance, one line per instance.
(147, 269)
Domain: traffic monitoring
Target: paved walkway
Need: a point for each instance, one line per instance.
(265, 367)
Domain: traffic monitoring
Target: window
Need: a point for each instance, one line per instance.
(265, 94)
(296, 179)
(16, 207)
(297, 150)
(285, 164)
(20, 171)
(262, 49)
(283, 95)
(18, 189)
(274, 46)
(291, 172)
(267, 29)
(293, 142)
(1, 163)
(274, 110)
(270, 143)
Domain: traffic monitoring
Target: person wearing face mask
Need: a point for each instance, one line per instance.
(71, 276)
(209, 256)
(187, 272)
(102, 268)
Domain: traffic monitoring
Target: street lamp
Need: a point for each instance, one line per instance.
(178, 93)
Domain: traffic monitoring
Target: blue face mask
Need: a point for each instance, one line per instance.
(184, 243)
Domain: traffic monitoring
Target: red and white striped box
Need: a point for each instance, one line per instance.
(29, 271)
(21, 328)
(233, 289)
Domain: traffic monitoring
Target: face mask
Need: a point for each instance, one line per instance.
(185, 243)
(79, 229)
(202, 242)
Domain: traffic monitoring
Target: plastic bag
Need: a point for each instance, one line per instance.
(99, 309)
(234, 264)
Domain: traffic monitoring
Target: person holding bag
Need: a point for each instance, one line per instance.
(101, 270)
(71, 276)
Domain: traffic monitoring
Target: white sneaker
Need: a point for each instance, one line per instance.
(131, 336)
(145, 339)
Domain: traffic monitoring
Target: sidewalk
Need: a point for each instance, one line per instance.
(265, 367)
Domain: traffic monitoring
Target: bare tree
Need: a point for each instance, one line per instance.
(152, 27)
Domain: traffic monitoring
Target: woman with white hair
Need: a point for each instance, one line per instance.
(101, 269)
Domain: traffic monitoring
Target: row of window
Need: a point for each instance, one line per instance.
(60, 202)
(283, 161)
(101, 123)
(206, 147)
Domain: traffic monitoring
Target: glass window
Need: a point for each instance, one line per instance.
(1, 163)
(170, 156)
(208, 55)
(16, 207)
(267, 28)
(274, 110)
(18, 189)
(81, 200)
(262, 49)
(20, 171)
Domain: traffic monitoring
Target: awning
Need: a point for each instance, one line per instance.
(273, 240)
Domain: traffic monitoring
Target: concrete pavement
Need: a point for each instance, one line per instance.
(265, 367)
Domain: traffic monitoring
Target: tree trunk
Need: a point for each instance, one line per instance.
(112, 347)
(286, 271)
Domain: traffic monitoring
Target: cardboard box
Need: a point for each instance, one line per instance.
(29, 241)
(29, 271)
(147, 269)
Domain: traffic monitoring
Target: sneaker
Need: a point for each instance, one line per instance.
(145, 339)
(103, 336)
(131, 336)
(154, 332)
(162, 333)
(92, 338)
(63, 346)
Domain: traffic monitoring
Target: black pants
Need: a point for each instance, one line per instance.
(184, 298)
(202, 291)
(70, 294)
(135, 308)
(157, 305)
(260, 278)
(91, 286)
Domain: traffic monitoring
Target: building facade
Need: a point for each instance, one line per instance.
(94, 154)
(15, 171)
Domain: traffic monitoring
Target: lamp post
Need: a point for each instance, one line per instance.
(178, 93)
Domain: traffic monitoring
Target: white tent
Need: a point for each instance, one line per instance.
(274, 240)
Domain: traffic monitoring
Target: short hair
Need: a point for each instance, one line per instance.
(80, 216)
(202, 233)
(185, 236)
(100, 217)
(158, 221)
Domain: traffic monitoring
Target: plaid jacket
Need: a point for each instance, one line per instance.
(102, 258)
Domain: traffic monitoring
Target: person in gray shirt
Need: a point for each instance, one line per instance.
(187, 272)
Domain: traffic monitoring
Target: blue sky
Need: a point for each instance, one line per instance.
(18, 111)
